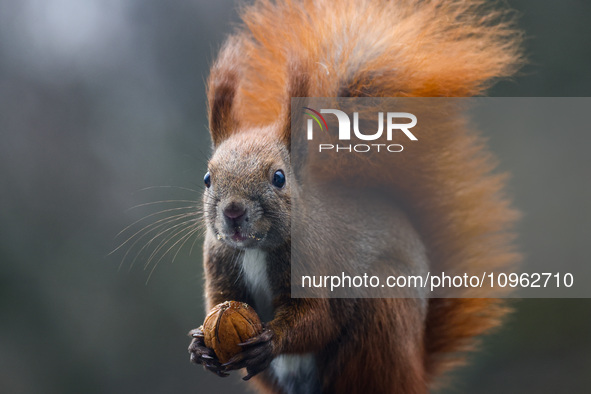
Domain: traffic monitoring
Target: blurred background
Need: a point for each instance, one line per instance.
(102, 109)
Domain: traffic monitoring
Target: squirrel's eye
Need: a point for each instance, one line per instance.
(207, 179)
(279, 179)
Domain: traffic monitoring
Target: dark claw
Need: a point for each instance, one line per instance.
(256, 356)
(234, 360)
(266, 336)
(197, 333)
(256, 366)
(215, 369)
(201, 354)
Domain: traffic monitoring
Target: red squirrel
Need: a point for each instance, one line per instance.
(452, 211)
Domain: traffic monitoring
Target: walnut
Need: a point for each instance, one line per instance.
(229, 324)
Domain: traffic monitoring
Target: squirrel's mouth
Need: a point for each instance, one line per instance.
(238, 237)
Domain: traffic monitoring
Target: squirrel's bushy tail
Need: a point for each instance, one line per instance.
(404, 48)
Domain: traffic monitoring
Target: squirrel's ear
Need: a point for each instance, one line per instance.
(221, 92)
(297, 87)
(294, 138)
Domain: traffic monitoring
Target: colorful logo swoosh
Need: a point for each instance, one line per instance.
(317, 117)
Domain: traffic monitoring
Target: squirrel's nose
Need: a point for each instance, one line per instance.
(234, 211)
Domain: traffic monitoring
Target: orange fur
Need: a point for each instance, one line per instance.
(405, 48)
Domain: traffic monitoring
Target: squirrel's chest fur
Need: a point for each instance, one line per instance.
(256, 279)
(295, 373)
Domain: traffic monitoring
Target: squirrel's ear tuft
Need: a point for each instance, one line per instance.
(221, 91)
(298, 82)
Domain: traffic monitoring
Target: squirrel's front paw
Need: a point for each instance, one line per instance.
(201, 354)
(256, 355)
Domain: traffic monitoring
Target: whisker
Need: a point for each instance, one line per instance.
(196, 238)
(169, 239)
(168, 187)
(151, 227)
(234, 263)
(160, 202)
(166, 220)
(166, 240)
(186, 236)
(191, 233)
(156, 237)
(147, 216)
(175, 224)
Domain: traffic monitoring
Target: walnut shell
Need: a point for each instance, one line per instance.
(229, 324)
